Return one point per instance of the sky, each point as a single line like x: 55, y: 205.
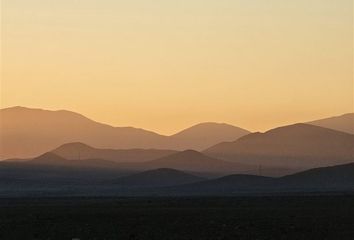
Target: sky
x: 165, y: 65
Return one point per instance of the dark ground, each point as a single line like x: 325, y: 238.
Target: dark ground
x: 277, y: 217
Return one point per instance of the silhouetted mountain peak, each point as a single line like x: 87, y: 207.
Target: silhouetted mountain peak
x: 209, y: 129
x: 190, y: 151
x: 75, y: 145
x: 189, y: 154
x: 210, y: 126
x: 207, y: 134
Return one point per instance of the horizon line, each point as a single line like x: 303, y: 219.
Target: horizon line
x: 176, y: 131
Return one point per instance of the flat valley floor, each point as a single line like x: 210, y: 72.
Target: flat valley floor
x: 272, y: 217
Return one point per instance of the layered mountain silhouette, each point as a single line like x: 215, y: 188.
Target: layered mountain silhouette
x: 49, y: 169
x: 49, y: 159
x: 230, y: 184
x: 298, y: 145
x: 74, y: 151
x: 206, y: 134
x: 27, y: 132
x: 328, y: 179
x: 344, y: 123
x: 339, y: 176
x: 193, y: 161
x: 52, y: 159
x: 157, y: 178
x: 39, y: 179
x: 136, y: 160
x: 142, y: 159
x: 86, y: 144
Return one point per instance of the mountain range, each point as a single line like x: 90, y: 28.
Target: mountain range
x: 294, y: 146
x: 80, y: 151
x: 68, y: 137
x: 326, y: 179
x: 188, y: 160
x: 26, y: 133
x: 41, y: 180
x: 193, y: 161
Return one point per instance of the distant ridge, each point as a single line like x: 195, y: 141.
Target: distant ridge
x: 193, y: 161
x: 27, y: 132
x: 298, y: 145
x: 83, y: 151
x: 203, y: 135
x: 343, y: 123
x: 52, y: 159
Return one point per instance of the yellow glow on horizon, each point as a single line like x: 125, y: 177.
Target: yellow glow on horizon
x: 165, y: 65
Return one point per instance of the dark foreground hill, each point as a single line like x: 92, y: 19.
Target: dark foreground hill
x: 19, y: 179
x: 156, y: 178
x: 327, y: 179
x: 51, y: 169
x: 340, y: 176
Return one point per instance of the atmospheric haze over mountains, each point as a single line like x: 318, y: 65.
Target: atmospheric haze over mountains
x: 29, y: 132
x: 52, y: 151
x: 176, y: 120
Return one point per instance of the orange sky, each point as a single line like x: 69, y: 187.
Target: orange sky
x: 164, y: 65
